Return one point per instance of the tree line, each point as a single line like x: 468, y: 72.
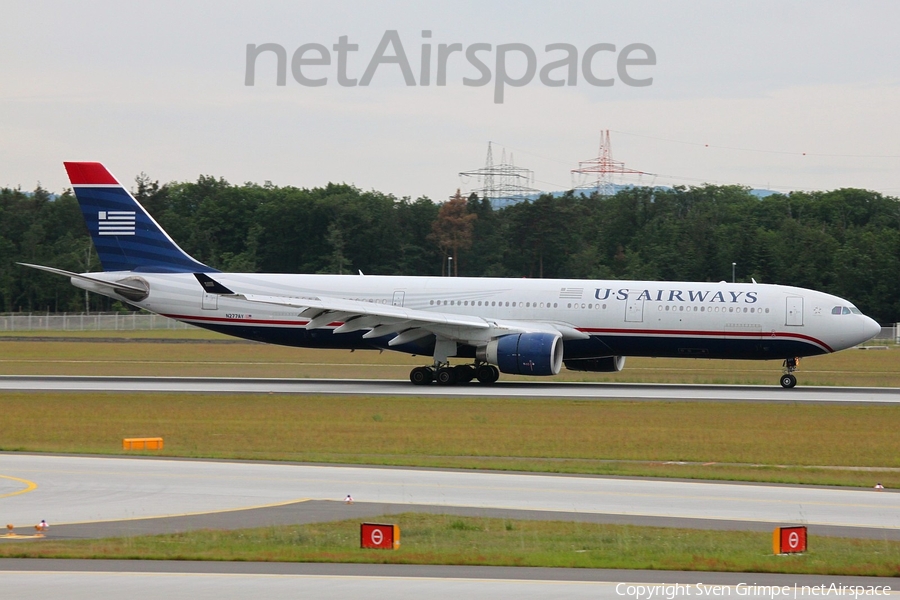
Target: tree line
x: 846, y: 242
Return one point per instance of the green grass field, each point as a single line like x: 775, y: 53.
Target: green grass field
x: 443, y: 539
x: 796, y: 443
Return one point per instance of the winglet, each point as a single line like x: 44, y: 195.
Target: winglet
x: 211, y: 286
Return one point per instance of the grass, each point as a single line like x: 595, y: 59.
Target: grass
x: 194, y: 356
x: 443, y: 539
x: 802, y: 443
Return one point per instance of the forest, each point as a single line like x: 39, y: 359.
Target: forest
x: 846, y: 241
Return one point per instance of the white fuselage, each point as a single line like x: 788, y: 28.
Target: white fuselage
x: 639, y: 318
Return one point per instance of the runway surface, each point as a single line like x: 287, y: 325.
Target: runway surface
x: 542, y: 389
x: 97, y: 496
x: 70, y: 489
x: 81, y: 580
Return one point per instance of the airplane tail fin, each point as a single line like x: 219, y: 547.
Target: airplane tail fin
x: 127, y: 238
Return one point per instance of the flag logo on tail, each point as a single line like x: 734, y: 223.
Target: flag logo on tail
x: 116, y: 222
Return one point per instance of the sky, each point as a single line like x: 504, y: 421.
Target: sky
x: 767, y: 94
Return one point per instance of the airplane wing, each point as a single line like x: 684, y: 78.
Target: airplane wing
x: 407, y: 323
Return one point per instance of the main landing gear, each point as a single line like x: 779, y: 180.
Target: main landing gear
x: 787, y: 379
x: 445, y: 374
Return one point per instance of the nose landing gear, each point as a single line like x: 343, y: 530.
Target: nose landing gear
x: 788, y: 380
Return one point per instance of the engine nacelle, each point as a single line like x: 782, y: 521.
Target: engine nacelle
x: 525, y: 353
x: 606, y: 364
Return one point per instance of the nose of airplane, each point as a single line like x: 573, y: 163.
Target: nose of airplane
x: 871, y: 328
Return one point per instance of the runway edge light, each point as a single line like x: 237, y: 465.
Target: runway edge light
x: 380, y: 536
x: 789, y: 540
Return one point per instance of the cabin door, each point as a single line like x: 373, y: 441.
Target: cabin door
x: 210, y: 301
x: 634, y: 310
x: 398, y: 298
x: 794, y: 314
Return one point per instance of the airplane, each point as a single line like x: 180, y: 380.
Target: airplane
x: 513, y: 326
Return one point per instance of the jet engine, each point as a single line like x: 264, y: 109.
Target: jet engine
x: 605, y: 364
x: 524, y: 353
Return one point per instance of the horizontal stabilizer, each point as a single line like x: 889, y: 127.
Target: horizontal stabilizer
x: 127, y: 290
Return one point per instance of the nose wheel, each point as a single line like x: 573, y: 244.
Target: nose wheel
x: 788, y: 380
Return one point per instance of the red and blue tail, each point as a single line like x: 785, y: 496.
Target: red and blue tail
x: 125, y: 235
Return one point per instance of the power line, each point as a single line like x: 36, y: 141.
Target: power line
x: 758, y: 150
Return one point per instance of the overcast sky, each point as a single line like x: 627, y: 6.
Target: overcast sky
x: 778, y: 95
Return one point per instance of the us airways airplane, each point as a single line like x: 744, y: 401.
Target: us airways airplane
x: 516, y: 326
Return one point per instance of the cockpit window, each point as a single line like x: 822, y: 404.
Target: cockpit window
x: 843, y: 310
x: 855, y: 310
x: 836, y: 310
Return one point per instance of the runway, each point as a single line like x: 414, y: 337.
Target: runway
x: 83, y: 490
x: 82, y: 496
x: 516, y: 389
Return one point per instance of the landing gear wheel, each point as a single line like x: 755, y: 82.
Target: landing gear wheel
x: 421, y: 376
x: 464, y: 373
x: 446, y: 376
x: 788, y: 381
x: 487, y: 374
